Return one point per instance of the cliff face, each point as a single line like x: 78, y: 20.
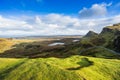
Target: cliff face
x: 115, y: 29
x: 109, y: 37
x: 111, y: 32
x: 106, y: 30
x: 112, y: 36
x: 117, y: 43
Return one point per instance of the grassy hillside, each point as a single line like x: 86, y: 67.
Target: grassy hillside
x: 72, y: 68
x: 7, y: 44
x: 100, y: 52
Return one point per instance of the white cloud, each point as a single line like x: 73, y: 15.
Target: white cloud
x: 96, y: 10
x: 11, y: 24
x: 51, y: 24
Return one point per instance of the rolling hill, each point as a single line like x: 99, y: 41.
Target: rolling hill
x: 72, y: 68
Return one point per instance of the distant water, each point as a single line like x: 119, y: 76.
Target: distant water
x: 75, y: 40
x: 56, y: 43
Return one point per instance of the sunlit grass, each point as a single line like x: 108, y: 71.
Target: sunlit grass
x: 7, y: 44
x: 57, y: 69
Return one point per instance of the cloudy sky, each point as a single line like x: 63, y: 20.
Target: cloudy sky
x: 56, y: 17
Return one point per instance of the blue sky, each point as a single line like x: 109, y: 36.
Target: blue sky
x: 56, y: 17
x: 50, y: 6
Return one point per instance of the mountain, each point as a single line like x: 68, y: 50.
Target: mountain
x: 104, y: 45
x: 110, y: 34
x: 109, y: 37
x: 91, y: 34
x: 111, y: 31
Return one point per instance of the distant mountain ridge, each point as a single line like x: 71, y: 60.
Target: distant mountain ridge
x: 109, y: 37
x: 50, y: 36
x: 91, y: 34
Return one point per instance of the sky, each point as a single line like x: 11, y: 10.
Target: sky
x: 56, y: 17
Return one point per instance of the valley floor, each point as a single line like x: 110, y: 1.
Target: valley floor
x: 72, y: 68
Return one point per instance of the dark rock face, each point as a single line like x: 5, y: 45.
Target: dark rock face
x: 108, y: 30
x: 117, y: 33
x: 91, y: 34
x: 116, y: 24
x: 115, y: 28
x: 105, y: 30
x: 117, y: 44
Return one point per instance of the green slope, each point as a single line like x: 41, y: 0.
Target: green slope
x: 72, y: 68
x: 100, y: 52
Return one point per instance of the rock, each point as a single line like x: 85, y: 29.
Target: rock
x: 115, y: 28
x: 117, y: 43
x: 91, y: 34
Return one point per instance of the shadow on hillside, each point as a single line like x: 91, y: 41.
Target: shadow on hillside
x: 85, y: 62
x: 37, y: 50
x: 42, y: 50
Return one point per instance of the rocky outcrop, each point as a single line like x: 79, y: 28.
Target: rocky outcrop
x: 117, y: 43
x: 115, y: 29
x: 107, y: 38
x: 91, y: 34
x: 105, y: 30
